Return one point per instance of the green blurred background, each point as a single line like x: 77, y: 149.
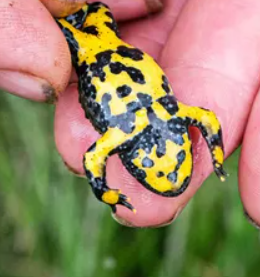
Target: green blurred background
x: 51, y: 225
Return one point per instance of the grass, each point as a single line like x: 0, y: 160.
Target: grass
x: 51, y: 225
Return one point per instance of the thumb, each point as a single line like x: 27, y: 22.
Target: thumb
x: 35, y: 61
x: 122, y: 9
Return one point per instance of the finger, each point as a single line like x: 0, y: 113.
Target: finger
x: 35, y: 60
x: 61, y: 8
x: 122, y: 9
x: 73, y: 133
x: 209, y: 68
x: 125, y: 9
x: 151, y: 33
x: 249, y: 165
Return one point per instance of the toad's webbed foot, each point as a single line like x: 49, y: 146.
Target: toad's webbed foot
x: 220, y: 172
x: 112, y: 197
x: 95, y: 164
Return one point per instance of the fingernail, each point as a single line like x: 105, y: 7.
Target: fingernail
x: 154, y: 5
x: 173, y: 218
x: 122, y: 221
x: 72, y: 170
x: 27, y: 86
x: 251, y: 221
x: 128, y: 224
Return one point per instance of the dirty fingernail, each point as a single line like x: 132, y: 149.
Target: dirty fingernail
x: 154, y: 5
x: 251, y: 221
x: 27, y: 86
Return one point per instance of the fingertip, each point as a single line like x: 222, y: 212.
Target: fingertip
x: 249, y: 165
x: 154, y: 5
x: 125, y: 9
x: 152, y: 210
x: 27, y: 86
x: 73, y: 132
x: 33, y: 45
x: 62, y: 8
x: 251, y: 221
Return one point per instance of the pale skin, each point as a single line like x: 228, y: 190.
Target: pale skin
x: 209, y: 50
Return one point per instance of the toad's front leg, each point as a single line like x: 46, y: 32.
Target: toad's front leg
x: 95, y: 167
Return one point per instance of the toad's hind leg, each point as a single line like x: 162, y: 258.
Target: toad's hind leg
x: 94, y: 165
x: 163, y: 165
x: 210, y: 128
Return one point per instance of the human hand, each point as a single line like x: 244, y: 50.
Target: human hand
x: 35, y: 62
x: 211, y: 58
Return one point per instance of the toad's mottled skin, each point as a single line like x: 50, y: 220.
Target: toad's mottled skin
x: 128, y: 99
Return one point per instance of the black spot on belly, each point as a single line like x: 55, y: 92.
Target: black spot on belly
x: 169, y: 103
x: 172, y: 177
x: 177, y: 125
x: 163, y: 131
x: 94, y: 7
x: 180, y: 157
x: 92, y: 30
x: 82, y: 71
x: 132, y: 53
x: 77, y: 19
x: 140, y: 174
x: 97, y: 68
x: 124, y: 121
x: 177, y: 138
x: 134, y: 73
x: 145, y: 99
x: 104, y: 58
x: 133, y: 106
x: 106, y: 98
x: 146, y: 162
x: 161, y: 148
x: 116, y: 68
x: 109, y: 14
x: 135, y: 154
x: 216, y: 139
x: 165, y: 84
x: 112, y: 24
x: 160, y: 174
x: 113, y: 27
x: 123, y: 91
